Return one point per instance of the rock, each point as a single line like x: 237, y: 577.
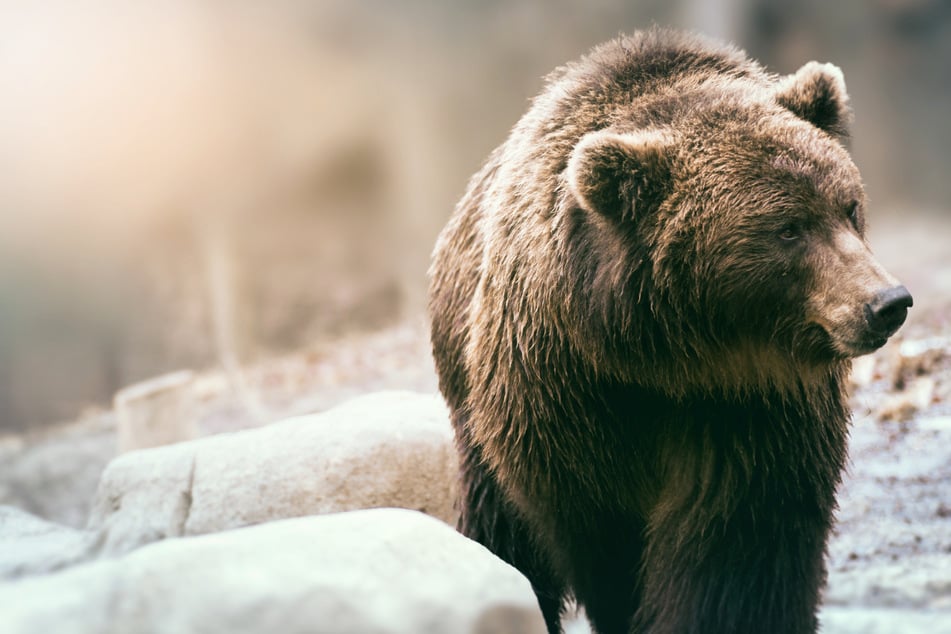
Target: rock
x: 386, y: 449
x: 34, y: 546
x: 377, y: 571
x: 937, y: 424
x: 863, y: 620
x: 919, y: 357
x: 55, y: 476
x: 156, y: 412
x: 145, y: 496
x: 916, y: 397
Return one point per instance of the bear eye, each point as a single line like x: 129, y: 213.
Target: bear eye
x: 790, y: 232
x: 853, y: 212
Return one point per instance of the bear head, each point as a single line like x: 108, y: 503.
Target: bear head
x: 744, y: 218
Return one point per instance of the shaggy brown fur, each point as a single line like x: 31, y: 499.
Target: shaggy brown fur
x: 642, y: 314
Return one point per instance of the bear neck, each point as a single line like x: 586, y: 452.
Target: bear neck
x: 606, y: 420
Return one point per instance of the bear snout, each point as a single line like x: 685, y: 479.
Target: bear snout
x: 856, y: 300
x: 887, y: 311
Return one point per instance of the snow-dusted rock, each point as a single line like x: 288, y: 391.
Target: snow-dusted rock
x: 55, y: 475
x: 866, y: 620
x: 376, y: 571
x: 30, y: 545
x: 391, y: 449
x: 145, y: 496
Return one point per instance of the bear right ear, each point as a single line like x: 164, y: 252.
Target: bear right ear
x: 620, y: 175
x: 816, y: 93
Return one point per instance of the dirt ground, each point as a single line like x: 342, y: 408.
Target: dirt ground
x: 890, y: 555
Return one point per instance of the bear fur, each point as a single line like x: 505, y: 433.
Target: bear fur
x: 643, y: 311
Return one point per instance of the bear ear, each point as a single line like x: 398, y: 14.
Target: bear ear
x: 816, y: 93
x: 620, y: 175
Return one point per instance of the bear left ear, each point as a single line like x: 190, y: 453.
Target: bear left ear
x: 620, y: 175
x: 816, y: 93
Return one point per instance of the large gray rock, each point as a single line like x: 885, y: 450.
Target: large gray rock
x: 391, y: 449
x: 55, y: 475
x: 32, y: 546
x: 377, y: 571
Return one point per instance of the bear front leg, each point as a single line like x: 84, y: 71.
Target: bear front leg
x: 604, y: 556
x: 760, y: 571
x: 486, y: 516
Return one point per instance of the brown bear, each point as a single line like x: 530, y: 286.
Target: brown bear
x: 643, y: 312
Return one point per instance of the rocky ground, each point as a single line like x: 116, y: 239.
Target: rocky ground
x: 53, y: 472
x: 890, y: 556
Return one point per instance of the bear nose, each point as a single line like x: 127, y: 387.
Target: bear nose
x: 887, y: 312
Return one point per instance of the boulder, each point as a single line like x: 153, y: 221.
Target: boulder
x: 159, y: 411
x: 144, y: 496
x: 389, y: 449
x: 34, y: 546
x: 377, y: 571
x: 55, y: 475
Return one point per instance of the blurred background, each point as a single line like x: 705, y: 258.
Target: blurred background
x: 185, y: 184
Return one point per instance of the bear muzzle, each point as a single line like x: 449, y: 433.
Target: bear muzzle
x: 856, y: 301
x: 876, y: 320
x: 887, y: 311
